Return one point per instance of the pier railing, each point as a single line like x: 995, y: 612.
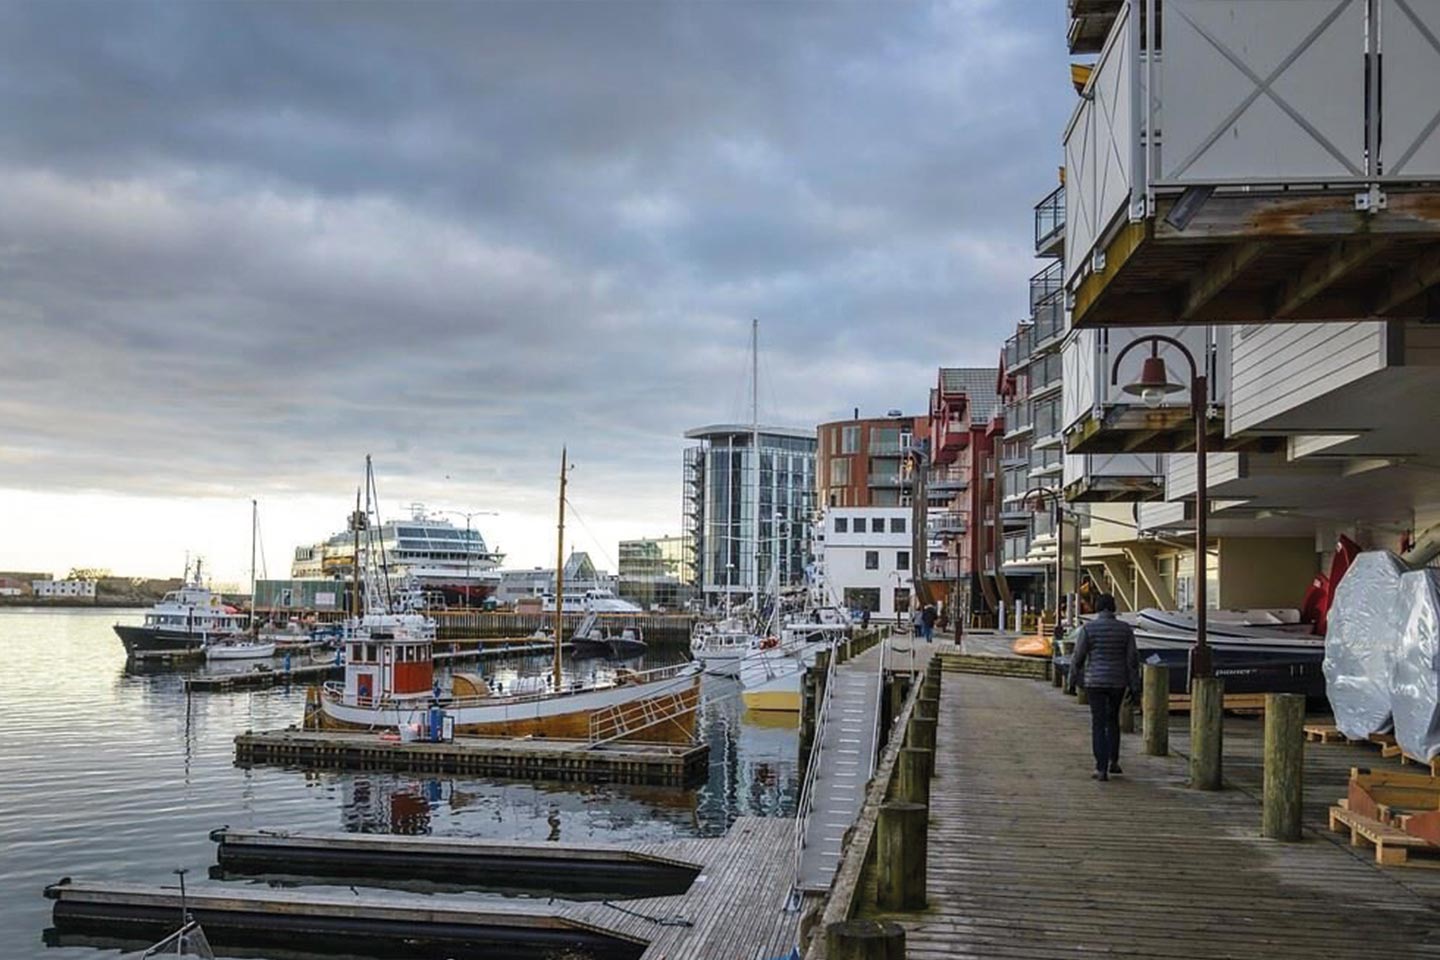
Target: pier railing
x: 806, y: 802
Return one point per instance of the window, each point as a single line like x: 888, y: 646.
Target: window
x: 872, y: 559
x: 839, y: 472
x: 849, y: 439
x: 877, y: 525
x: 902, y: 559
x: 842, y: 525
x: 863, y: 598
x: 897, y: 524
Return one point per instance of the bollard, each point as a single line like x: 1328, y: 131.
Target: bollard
x: 1207, y: 729
x: 865, y: 940
x: 1127, y: 714
x: 1082, y: 696
x: 1155, y: 709
x: 921, y: 733
x: 901, y: 850
x: 1056, y: 678
x: 1284, y: 766
x: 914, y: 769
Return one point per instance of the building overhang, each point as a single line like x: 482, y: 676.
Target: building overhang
x: 723, y: 430
x: 1137, y: 429
x: 1256, y: 256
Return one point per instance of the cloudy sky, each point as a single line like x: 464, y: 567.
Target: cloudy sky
x: 242, y: 245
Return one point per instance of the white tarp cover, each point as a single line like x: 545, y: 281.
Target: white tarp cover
x: 1415, y: 675
x: 1361, y: 642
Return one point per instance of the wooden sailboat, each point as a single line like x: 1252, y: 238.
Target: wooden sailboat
x: 390, y: 683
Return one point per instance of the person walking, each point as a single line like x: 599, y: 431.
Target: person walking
x: 1106, y: 663
x: 927, y: 621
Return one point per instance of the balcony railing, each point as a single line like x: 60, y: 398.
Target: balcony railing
x: 1049, y: 317
x: 948, y: 524
x: 1049, y: 220
x: 951, y: 568
x: 886, y: 479
x: 1046, y: 285
x: 886, y: 448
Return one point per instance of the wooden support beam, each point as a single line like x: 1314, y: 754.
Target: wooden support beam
x: 1323, y: 272
x: 1218, y: 274
x: 1419, y: 276
x: 1138, y: 439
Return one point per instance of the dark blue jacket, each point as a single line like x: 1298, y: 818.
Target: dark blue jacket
x: 1105, y: 655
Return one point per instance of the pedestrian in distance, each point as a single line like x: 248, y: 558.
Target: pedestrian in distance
x: 917, y: 623
x: 1106, y: 663
x: 927, y: 621
x: 865, y: 619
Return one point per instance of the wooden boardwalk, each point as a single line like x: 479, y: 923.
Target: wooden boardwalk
x: 1030, y: 858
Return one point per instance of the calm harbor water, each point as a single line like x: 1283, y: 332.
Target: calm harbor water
x: 111, y: 774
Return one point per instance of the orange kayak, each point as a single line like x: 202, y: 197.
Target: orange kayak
x: 1038, y: 646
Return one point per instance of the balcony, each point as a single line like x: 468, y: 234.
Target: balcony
x: 951, y: 568
x: 1018, y: 419
x: 886, y: 479
x: 948, y: 525
x: 1090, y: 23
x: 1019, y: 347
x: 1048, y: 317
x: 1046, y: 286
x: 1050, y: 224
x: 1239, y: 175
x: 1111, y: 477
x: 948, y: 484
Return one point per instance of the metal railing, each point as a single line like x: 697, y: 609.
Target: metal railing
x: 806, y: 802
x: 1049, y: 217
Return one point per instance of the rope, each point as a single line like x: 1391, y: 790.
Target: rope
x: 658, y: 921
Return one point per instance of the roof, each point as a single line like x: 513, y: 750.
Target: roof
x: 735, y: 429
x: 978, y: 384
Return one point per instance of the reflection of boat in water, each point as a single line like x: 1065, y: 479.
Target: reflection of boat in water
x: 390, y: 683
x: 183, y: 621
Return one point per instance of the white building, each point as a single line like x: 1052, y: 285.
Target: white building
x: 57, y: 589
x: 864, y: 558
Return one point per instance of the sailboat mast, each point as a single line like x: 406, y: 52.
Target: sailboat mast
x: 254, y: 528
x: 356, y: 519
x: 755, y: 453
x: 560, y: 572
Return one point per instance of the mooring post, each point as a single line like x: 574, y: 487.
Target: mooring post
x: 1082, y: 697
x: 899, y: 687
x: 1207, y: 728
x: 921, y: 733
x: 901, y: 851
x: 1284, y: 766
x: 1155, y: 709
x: 865, y: 940
x: 912, y: 776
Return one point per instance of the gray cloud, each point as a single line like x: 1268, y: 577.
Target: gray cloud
x: 241, y: 244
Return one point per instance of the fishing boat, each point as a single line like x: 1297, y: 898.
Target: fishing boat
x: 390, y: 681
x: 721, y: 646
x: 183, y: 622
x: 770, y: 676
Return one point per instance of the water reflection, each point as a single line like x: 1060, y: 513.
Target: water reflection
x: 112, y: 773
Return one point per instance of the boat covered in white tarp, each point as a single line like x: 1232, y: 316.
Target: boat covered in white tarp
x: 1361, y: 636
x: 1415, y: 671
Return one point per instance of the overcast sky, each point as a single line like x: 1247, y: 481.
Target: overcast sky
x: 242, y: 245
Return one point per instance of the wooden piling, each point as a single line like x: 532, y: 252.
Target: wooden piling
x: 1207, y: 728
x: 912, y: 776
x: 1284, y: 766
x: 865, y: 940
x: 901, y: 852
x: 921, y: 733
x: 899, y: 687
x: 1127, y: 715
x: 1155, y: 709
x: 1082, y: 696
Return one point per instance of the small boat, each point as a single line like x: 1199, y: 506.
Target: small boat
x: 592, y: 640
x: 291, y: 633
x: 239, y: 648
x: 720, y: 647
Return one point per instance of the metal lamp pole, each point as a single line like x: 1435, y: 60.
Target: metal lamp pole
x: 1152, y: 388
x: 1040, y: 494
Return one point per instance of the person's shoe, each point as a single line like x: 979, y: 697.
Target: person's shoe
x: 1099, y: 775
x: 1115, y: 768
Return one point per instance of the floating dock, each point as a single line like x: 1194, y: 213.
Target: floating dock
x: 299, y: 673
x: 532, y: 759
x: 388, y: 925
x: 736, y: 907
x: 583, y: 872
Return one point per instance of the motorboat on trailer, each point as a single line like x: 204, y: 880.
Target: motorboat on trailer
x: 183, y: 622
x: 1253, y: 652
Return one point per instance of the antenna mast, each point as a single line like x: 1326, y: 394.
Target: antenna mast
x: 755, y: 453
x: 560, y: 573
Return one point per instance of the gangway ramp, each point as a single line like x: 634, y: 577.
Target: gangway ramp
x: 840, y: 766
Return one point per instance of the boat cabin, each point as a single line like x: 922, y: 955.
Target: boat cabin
x: 382, y: 666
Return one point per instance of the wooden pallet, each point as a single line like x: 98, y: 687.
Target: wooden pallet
x: 1233, y: 703
x: 1393, y: 846
x: 1324, y: 733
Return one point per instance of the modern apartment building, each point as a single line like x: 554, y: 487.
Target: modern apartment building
x: 861, y: 460
x: 748, y: 508
x: 656, y: 571
x: 965, y: 423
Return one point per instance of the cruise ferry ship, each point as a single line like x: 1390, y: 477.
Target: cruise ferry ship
x: 448, y: 563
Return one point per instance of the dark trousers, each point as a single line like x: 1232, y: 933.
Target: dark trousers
x: 1105, y: 724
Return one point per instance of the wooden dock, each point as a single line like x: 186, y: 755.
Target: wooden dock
x: 1030, y: 858
x: 530, y: 759
x: 318, y: 672
x: 735, y: 908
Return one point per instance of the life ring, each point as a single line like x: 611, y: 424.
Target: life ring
x: 769, y: 643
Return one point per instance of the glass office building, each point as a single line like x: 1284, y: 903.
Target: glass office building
x: 740, y: 527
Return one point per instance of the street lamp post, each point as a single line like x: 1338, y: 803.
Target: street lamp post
x: 1206, y: 691
x: 1041, y: 494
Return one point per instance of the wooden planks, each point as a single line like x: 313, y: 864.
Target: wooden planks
x: 1030, y: 858
x: 522, y: 758
x: 1392, y: 845
x: 1029, y: 668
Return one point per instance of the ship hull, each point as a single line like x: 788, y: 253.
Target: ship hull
x: 147, y: 642
x: 566, y: 716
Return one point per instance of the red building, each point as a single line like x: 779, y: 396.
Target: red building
x: 861, y: 460
x: 966, y: 423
